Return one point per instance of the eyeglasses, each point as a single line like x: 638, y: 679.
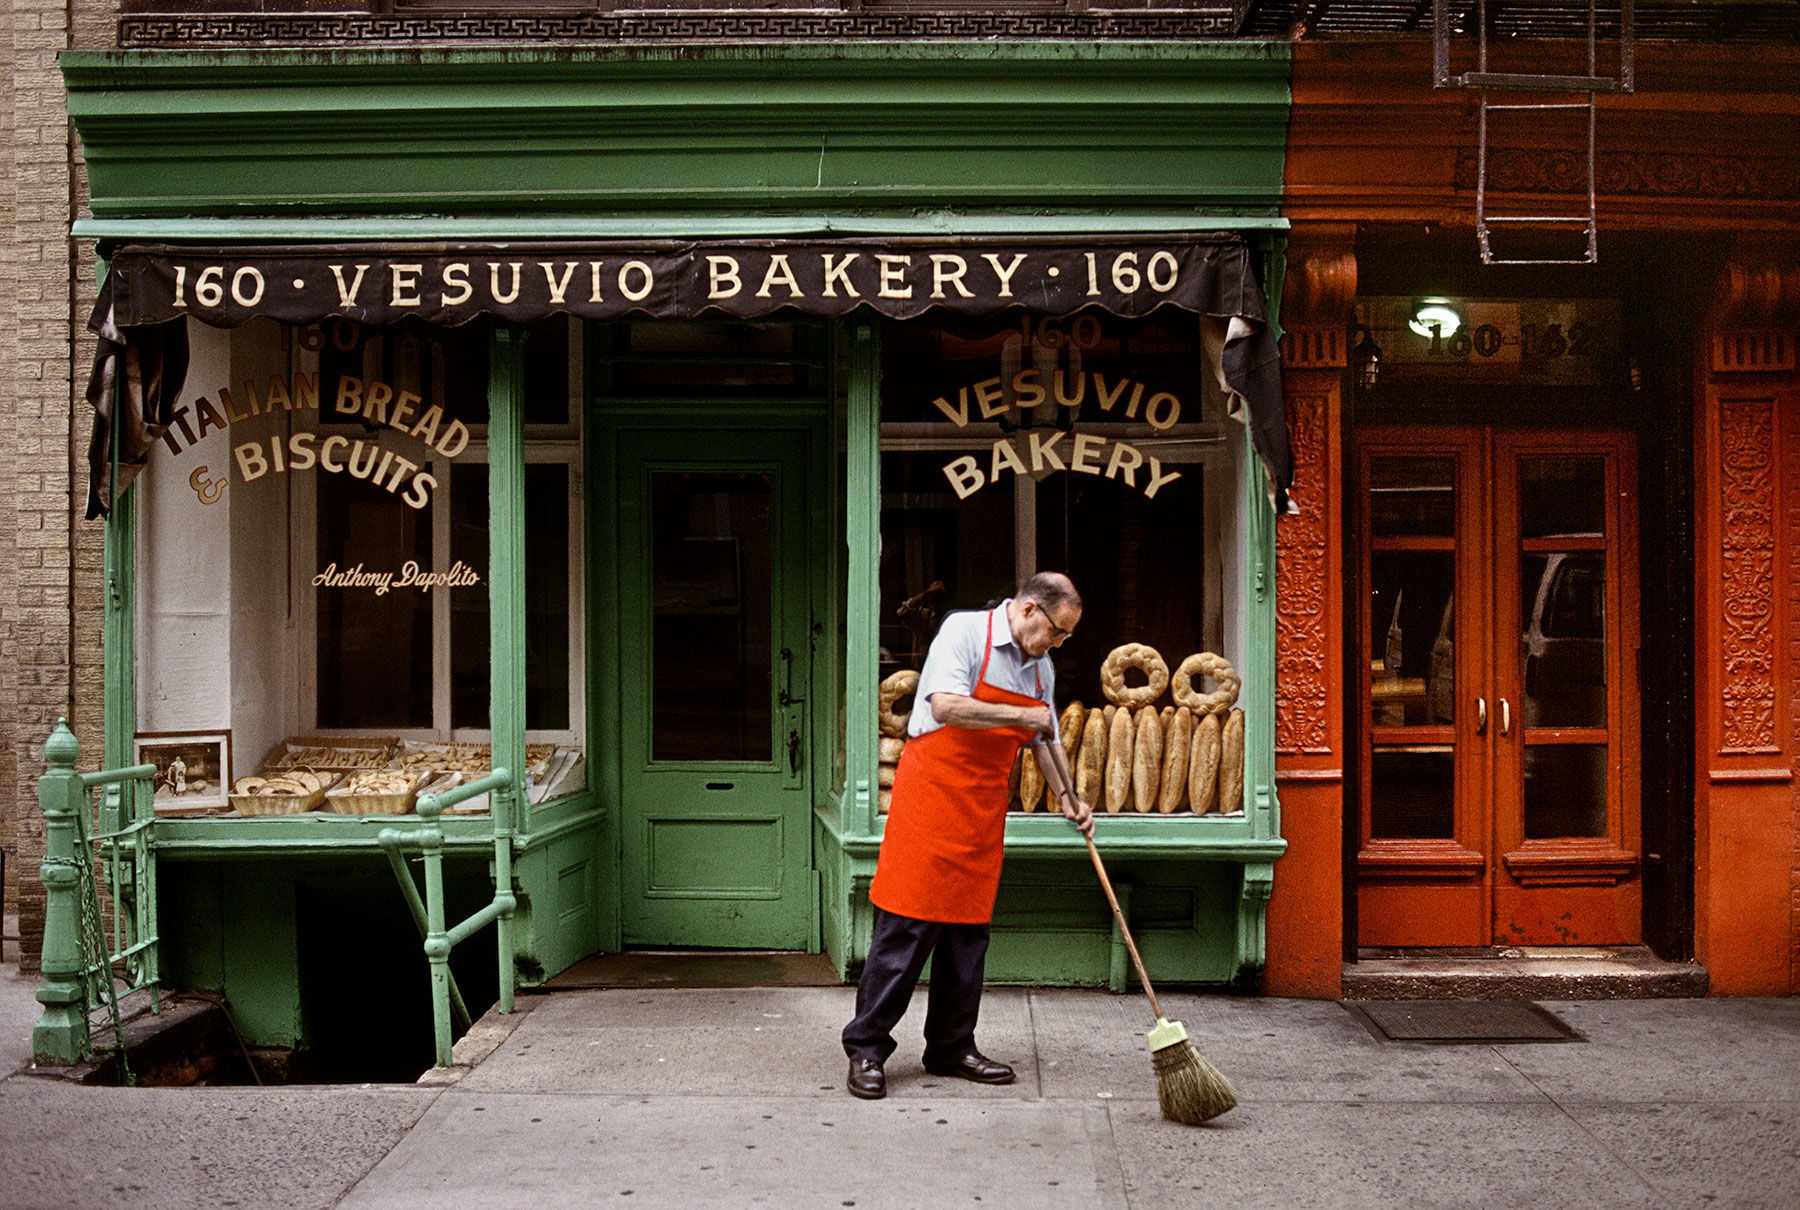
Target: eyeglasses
x: 1060, y: 632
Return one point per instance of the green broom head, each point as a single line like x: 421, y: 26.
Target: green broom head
x: 1190, y: 1089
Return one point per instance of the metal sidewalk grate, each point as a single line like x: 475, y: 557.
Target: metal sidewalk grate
x: 1461, y: 1021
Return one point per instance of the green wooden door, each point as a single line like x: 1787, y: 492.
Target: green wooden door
x: 714, y: 660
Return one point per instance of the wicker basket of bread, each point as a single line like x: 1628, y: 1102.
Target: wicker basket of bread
x: 290, y: 792
x: 375, y: 792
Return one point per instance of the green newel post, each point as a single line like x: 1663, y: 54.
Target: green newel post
x: 60, y: 1038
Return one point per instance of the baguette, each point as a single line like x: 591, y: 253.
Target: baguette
x: 1118, y: 759
x: 1146, y: 760
x: 1012, y: 779
x: 1203, y: 766
x: 884, y: 775
x: 1074, y: 716
x: 1231, y: 765
x: 1175, y: 761
x: 1090, y: 772
x: 891, y: 747
x: 1031, y: 778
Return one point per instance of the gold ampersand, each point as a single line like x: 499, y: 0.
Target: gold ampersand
x: 209, y: 490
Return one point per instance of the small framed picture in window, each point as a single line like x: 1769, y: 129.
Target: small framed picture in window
x: 193, y: 770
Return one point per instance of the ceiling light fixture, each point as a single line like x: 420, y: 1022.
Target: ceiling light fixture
x: 1435, y: 317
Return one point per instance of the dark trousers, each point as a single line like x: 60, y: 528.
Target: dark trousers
x: 897, y: 954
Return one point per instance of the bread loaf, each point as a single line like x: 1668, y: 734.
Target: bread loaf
x: 1012, y: 780
x: 1074, y: 717
x: 1203, y: 766
x: 896, y: 688
x: 1146, y: 760
x: 1118, y: 759
x: 891, y: 747
x: 882, y: 797
x: 1231, y: 764
x: 1090, y: 770
x: 1175, y: 761
x: 1031, y: 778
x: 884, y: 775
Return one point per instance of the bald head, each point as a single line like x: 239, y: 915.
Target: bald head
x: 1051, y: 589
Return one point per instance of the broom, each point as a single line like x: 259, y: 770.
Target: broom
x: 1188, y: 1088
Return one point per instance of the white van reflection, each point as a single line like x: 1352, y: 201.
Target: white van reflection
x: 1565, y: 639
x: 1564, y: 642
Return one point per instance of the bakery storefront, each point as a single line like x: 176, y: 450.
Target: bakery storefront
x: 666, y: 524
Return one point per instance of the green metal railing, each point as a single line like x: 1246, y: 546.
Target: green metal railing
x: 427, y: 838
x: 86, y: 957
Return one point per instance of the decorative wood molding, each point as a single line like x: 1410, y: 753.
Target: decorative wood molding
x: 1766, y: 351
x: 1303, y: 587
x: 1571, y: 861
x: 1747, y: 563
x: 1315, y: 348
x: 1419, y: 859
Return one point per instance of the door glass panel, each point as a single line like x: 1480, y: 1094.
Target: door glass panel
x: 1559, y: 496
x: 1413, y: 616
x: 1412, y: 793
x: 1565, y: 790
x: 711, y: 602
x: 1564, y: 601
x: 1412, y: 496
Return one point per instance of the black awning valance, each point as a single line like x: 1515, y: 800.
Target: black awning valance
x: 149, y: 289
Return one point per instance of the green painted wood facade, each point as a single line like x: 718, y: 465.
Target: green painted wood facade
x: 767, y: 140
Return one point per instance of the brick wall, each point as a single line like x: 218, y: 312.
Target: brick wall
x: 50, y: 582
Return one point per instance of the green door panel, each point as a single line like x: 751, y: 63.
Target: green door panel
x: 714, y: 658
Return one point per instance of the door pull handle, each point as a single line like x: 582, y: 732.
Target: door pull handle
x: 1481, y: 716
x: 794, y: 751
x: 787, y: 697
x: 1505, y: 717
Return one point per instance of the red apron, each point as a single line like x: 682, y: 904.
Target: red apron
x: 946, y: 825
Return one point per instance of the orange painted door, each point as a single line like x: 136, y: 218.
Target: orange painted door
x: 1499, y: 758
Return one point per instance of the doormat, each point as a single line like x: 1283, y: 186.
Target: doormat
x: 690, y: 968
x: 1452, y: 1021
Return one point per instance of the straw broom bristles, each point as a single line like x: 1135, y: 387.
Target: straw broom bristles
x: 1189, y: 1089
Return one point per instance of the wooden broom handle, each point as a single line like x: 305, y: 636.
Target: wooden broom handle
x: 1065, y: 788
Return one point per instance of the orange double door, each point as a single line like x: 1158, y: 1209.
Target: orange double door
x: 1499, y: 796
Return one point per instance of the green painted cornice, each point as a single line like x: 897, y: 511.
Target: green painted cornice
x: 1194, y: 130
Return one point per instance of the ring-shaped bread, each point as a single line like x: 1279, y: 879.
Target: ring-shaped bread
x: 1146, y: 660
x: 1219, y: 671
x: 897, y: 686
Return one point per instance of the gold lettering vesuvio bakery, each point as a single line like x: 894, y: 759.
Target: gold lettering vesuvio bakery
x: 1035, y: 451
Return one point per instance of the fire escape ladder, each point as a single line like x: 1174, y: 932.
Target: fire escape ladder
x: 1534, y: 103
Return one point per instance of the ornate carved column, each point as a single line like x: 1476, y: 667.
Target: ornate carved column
x: 1747, y: 860
x: 1304, y: 922
x: 1317, y: 307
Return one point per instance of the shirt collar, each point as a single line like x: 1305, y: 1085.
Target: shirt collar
x: 1003, y: 635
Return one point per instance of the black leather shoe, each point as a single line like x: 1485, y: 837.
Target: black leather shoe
x: 867, y: 1080
x: 976, y: 1067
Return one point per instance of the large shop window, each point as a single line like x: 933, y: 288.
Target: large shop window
x: 350, y: 531
x: 1099, y: 447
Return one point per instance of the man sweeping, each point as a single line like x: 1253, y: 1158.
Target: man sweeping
x: 987, y: 689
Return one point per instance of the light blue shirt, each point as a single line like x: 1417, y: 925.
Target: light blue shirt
x: 953, y: 665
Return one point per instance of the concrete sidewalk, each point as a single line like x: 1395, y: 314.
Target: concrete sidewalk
x: 734, y: 1098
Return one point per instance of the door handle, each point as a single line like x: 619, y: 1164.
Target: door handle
x: 794, y: 751
x: 787, y: 697
x: 1505, y: 717
x: 1481, y: 716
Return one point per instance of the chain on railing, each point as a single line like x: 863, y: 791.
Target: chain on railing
x: 84, y: 961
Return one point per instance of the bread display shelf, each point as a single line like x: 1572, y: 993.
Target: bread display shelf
x: 341, y: 753
x: 552, y: 770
